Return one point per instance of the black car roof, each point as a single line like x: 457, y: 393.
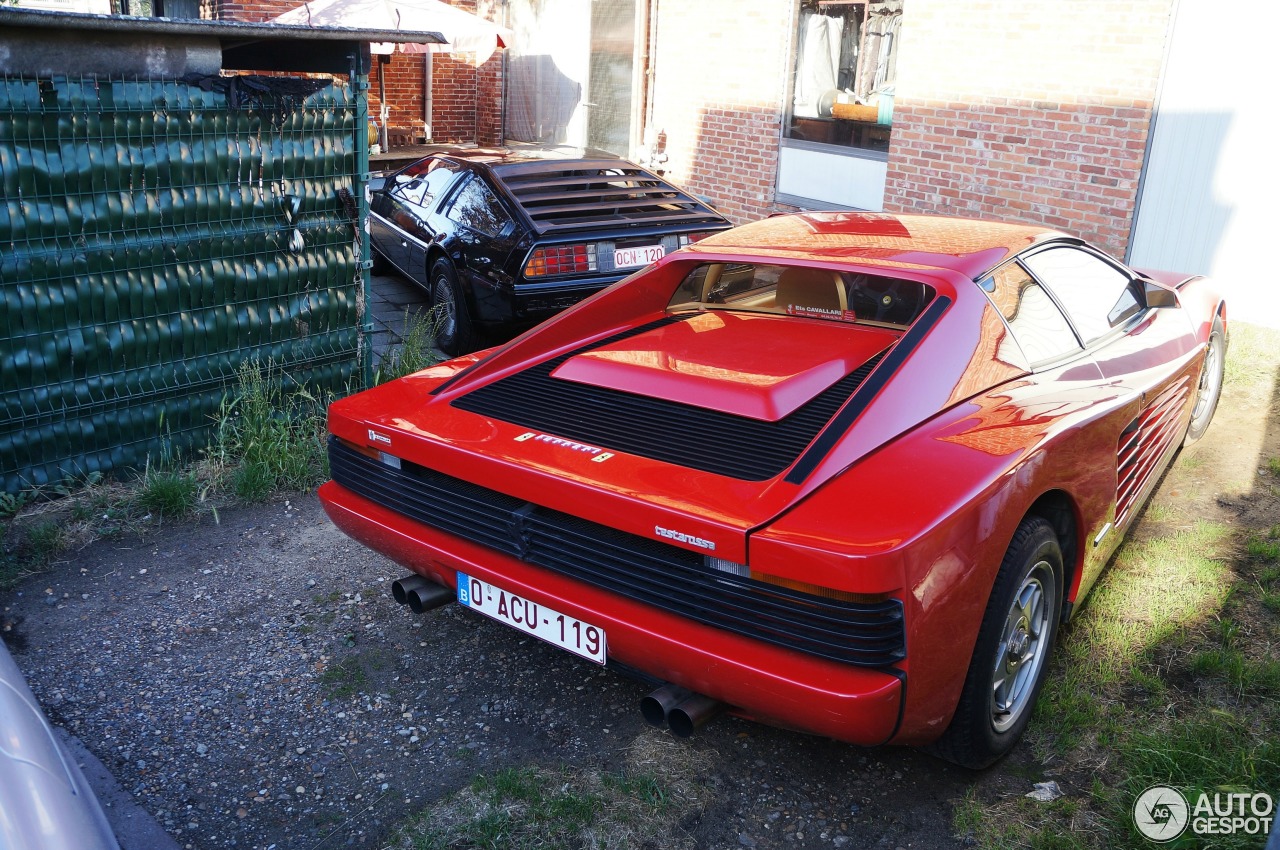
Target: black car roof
x: 578, y: 194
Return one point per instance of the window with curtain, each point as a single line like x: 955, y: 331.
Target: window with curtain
x: 845, y: 73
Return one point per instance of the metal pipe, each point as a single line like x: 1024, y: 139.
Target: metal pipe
x: 692, y: 713
x: 655, y: 707
x: 400, y: 587
x: 428, y: 596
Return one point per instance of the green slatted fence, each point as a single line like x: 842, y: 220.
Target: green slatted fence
x: 154, y: 235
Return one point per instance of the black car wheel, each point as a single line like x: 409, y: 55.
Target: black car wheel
x: 1210, y: 389
x: 381, y: 265
x: 1011, y: 656
x: 454, y: 334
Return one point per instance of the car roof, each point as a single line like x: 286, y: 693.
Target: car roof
x: 970, y: 247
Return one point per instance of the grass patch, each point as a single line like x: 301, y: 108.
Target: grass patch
x: 1154, y: 589
x: 417, y: 351
x: 1071, y: 826
x: 31, y: 551
x: 344, y: 678
x: 532, y: 807
x: 1251, y: 358
x: 1210, y: 751
x: 171, y: 494
x: 268, y: 439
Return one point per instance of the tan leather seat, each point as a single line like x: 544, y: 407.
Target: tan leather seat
x: 801, y: 289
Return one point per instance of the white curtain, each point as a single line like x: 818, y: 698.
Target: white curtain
x: 819, y: 62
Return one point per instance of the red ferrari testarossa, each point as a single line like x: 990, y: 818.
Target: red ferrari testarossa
x: 840, y: 472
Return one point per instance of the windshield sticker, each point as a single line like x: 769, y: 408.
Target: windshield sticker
x: 821, y: 313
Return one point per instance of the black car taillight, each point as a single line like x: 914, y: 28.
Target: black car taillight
x: 561, y: 259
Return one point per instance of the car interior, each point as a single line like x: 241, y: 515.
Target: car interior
x: 802, y: 291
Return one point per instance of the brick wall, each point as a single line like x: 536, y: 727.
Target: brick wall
x: 720, y: 82
x: 466, y: 102
x: 1034, y: 111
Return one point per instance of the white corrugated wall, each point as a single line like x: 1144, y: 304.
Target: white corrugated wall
x: 1212, y: 183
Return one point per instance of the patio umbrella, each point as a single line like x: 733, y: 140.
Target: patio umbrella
x: 463, y: 31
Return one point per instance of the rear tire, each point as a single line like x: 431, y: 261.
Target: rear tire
x: 456, y: 334
x: 1210, y: 389
x: 1010, y: 659
x: 381, y: 265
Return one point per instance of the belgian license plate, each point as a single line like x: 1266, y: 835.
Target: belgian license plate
x: 538, y: 620
x: 642, y: 256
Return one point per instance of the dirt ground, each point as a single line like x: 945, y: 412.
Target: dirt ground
x: 251, y: 683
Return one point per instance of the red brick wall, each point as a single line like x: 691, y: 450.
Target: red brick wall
x: 720, y: 82
x: 1035, y: 111
x: 466, y: 103
x: 403, y: 79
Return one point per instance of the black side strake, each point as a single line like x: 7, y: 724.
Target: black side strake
x: 682, y: 434
x: 867, y: 391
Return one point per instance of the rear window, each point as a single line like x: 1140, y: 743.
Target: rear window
x: 421, y: 183
x: 802, y: 291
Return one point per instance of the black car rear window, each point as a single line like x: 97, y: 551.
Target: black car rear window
x: 803, y: 291
x: 476, y: 207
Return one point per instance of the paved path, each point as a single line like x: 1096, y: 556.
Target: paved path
x: 391, y: 297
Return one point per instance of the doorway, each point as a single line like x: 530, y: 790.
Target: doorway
x: 572, y: 73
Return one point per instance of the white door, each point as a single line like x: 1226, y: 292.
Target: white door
x: 572, y: 73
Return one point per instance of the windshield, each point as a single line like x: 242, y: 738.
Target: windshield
x: 802, y: 291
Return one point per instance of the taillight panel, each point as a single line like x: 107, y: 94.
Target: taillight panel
x: 555, y: 260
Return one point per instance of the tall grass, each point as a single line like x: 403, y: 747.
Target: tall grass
x: 270, y: 439
x: 417, y: 351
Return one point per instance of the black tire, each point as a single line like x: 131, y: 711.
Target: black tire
x: 456, y: 334
x: 1210, y: 389
x: 381, y: 265
x: 1016, y: 638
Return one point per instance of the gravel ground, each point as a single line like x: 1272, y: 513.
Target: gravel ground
x: 252, y: 684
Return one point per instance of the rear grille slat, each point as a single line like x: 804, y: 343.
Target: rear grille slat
x: 654, y: 573
x: 659, y: 429
x: 392, y: 489
x: 743, y: 601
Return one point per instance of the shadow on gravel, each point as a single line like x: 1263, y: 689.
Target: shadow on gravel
x: 252, y: 683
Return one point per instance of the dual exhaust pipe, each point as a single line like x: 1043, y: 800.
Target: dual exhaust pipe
x: 678, y: 709
x: 420, y: 594
x: 671, y: 706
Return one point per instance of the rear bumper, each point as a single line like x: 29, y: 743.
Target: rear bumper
x: 771, y: 684
x: 526, y: 305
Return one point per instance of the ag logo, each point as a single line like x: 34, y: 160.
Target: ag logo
x: 1160, y: 813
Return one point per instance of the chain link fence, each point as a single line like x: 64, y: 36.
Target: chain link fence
x: 154, y: 236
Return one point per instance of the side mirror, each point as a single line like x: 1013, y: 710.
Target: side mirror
x: 1157, y: 295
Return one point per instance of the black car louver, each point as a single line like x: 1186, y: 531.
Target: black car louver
x: 670, y: 431
x: 577, y: 194
x: 648, y: 571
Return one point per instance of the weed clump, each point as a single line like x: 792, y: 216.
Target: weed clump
x: 267, y: 439
x: 418, y: 351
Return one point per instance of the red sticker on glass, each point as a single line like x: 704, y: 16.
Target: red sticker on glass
x: 821, y: 313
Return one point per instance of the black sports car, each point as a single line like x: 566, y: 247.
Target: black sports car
x: 505, y: 240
